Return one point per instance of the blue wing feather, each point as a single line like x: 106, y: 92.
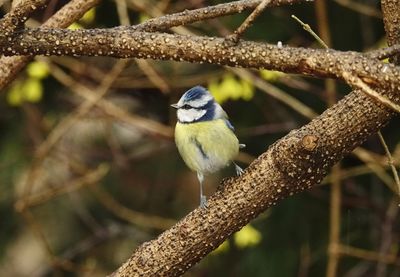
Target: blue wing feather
x: 230, y: 126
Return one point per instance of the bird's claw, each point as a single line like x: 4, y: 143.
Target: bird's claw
x: 239, y: 170
x: 203, y: 201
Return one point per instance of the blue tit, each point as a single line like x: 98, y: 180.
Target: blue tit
x: 204, y: 136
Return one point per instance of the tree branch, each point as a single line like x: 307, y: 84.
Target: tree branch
x: 72, y: 11
x: 391, y: 18
x: 119, y: 43
x: 186, y: 17
x: 18, y: 16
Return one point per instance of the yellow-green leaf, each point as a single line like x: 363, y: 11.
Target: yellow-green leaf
x: 228, y: 88
x: 89, y: 16
x: 143, y: 17
x: 231, y: 88
x: 270, y: 75
x: 214, y: 88
x: 32, y: 90
x: 247, y: 237
x: 382, y: 43
x: 247, y: 90
x: 75, y: 26
x: 37, y: 70
x: 14, y: 95
x: 222, y: 248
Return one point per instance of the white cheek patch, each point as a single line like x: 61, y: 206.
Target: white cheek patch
x: 190, y: 115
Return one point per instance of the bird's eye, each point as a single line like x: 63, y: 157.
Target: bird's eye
x: 186, y: 107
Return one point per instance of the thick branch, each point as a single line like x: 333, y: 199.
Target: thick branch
x: 391, y: 18
x: 132, y: 44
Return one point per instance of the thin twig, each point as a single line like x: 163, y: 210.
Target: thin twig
x: 376, y: 168
x: 146, y: 125
x: 134, y: 217
x: 123, y: 12
x: 58, y: 132
x: 187, y: 17
x: 84, y: 108
x: 41, y: 197
x: 249, y: 21
x: 310, y: 31
x: 390, y: 162
x: 153, y: 75
x: 357, y: 82
x: 368, y: 255
x: 387, y: 234
x: 363, y: 9
x: 276, y: 93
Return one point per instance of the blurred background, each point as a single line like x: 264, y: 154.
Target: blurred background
x: 82, y: 184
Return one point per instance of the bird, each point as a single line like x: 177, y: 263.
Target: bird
x: 204, y: 136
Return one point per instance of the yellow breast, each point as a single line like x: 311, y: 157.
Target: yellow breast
x: 206, y: 146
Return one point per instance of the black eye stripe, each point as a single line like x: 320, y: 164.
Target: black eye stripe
x: 186, y: 107
x: 205, y: 106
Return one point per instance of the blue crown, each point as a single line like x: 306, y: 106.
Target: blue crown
x: 195, y: 93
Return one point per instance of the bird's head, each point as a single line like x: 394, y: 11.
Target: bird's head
x: 196, y: 104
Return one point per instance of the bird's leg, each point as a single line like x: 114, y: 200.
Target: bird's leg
x: 239, y: 170
x: 203, y: 199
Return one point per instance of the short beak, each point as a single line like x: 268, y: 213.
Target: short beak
x: 175, y: 106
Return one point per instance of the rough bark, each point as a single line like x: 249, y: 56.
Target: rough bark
x: 391, y: 18
x: 119, y: 43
